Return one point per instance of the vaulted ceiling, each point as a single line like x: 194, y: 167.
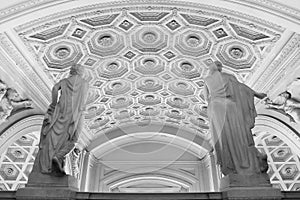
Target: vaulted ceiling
x: 146, y: 60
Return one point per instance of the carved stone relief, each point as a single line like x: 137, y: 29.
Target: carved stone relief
x: 11, y: 102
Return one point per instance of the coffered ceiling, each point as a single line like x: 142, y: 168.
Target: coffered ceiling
x: 146, y: 60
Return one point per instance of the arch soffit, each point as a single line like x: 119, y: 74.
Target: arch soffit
x: 115, y: 177
x: 131, y: 180
x: 20, y: 128
x: 272, y: 125
x: 133, y: 134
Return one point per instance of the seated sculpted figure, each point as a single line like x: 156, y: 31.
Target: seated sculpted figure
x: 11, y: 101
x: 62, y: 123
x: 232, y: 113
x: 287, y: 105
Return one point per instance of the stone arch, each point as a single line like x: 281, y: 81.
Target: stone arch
x: 269, y: 123
x: 167, y: 134
x: 186, y: 184
x: 20, y: 128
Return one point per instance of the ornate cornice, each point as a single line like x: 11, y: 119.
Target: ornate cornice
x: 25, y: 6
x: 150, y: 4
x: 35, y: 84
x: 277, y: 67
x: 275, y: 7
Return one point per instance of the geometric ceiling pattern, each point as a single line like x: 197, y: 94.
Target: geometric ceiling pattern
x: 17, y: 161
x: 146, y: 63
x: 284, y: 163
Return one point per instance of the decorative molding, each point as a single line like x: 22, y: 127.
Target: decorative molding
x: 25, y: 6
x: 273, y: 6
x: 277, y: 65
x: 35, y: 83
x: 90, y: 10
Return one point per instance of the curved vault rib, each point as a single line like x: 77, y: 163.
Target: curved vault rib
x: 170, y: 135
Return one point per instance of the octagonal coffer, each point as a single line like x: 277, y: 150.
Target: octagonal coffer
x: 106, y: 43
x: 149, y: 38
x: 62, y: 55
x: 149, y: 65
x: 112, y: 68
x: 192, y: 43
x: 236, y: 55
x: 149, y: 84
x: 188, y: 69
x: 118, y: 87
x: 181, y: 87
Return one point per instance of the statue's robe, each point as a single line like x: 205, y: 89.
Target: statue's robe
x: 232, y: 114
x: 62, y: 122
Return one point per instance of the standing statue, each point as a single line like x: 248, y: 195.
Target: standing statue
x: 232, y: 113
x: 62, y: 122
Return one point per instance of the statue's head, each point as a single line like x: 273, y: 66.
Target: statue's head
x: 286, y: 95
x: 77, y: 69
x: 215, y: 66
x: 12, y: 94
x: 219, y: 65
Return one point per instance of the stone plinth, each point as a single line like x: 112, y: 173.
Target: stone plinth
x: 43, y: 186
x: 252, y: 187
x: 235, y: 180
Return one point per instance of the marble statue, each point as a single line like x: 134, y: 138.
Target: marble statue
x: 232, y: 113
x: 287, y: 105
x: 62, y: 123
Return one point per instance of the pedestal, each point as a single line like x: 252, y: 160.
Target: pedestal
x: 248, y: 187
x: 47, y: 187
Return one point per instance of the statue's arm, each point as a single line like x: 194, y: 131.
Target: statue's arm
x: 256, y: 94
x: 55, y: 90
x: 275, y: 103
x: 206, y: 93
x: 21, y: 104
x: 293, y: 103
x: 260, y: 95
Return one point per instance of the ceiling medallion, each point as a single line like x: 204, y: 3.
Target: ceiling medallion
x: 236, y: 52
x: 105, y: 40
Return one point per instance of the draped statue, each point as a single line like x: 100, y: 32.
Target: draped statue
x: 232, y: 113
x: 62, y: 123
